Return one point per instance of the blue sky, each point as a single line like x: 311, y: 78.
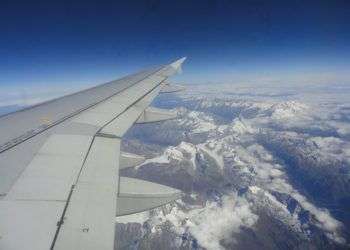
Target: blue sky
x: 61, y: 43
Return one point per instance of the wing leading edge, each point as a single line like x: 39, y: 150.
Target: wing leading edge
x: 69, y: 192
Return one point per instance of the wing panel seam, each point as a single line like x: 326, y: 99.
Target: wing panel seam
x: 32, y: 133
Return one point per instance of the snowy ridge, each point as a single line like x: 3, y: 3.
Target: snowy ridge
x: 241, y: 153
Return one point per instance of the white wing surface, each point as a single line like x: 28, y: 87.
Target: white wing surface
x: 59, y: 165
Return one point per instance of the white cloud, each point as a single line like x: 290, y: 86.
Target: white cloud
x: 212, y: 223
x: 325, y: 220
x: 215, y: 223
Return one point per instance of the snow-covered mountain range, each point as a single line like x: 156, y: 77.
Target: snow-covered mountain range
x: 257, y: 172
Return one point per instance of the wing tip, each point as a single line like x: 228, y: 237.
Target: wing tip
x: 178, y: 63
x: 181, y: 60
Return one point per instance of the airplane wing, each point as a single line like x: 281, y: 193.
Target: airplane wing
x: 60, y: 160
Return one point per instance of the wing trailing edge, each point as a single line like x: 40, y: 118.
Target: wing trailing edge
x: 128, y: 160
x: 152, y: 114
x: 138, y: 195
x: 171, y: 88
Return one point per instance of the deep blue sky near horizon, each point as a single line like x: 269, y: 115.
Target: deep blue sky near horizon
x: 65, y: 42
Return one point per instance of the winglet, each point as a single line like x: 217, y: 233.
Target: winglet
x: 177, y: 64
